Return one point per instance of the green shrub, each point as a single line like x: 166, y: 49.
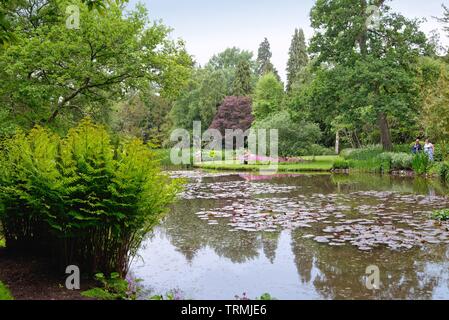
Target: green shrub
x: 385, y: 161
x: 421, y: 163
x: 365, y: 153
x: 373, y: 159
x: 372, y: 165
x: 401, y: 161
x: 403, y: 148
x: 4, y: 292
x: 114, y: 288
x: 444, y: 171
x: 81, y: 198
x: 441, y: 152
x: 266, y: 297
x: 295, y: 139
x: 317, y: 150
x: 169, y: 296
x: 340, y: 164
x: 441, y: 215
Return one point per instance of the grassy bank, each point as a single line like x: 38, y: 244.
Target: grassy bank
x: 369, y: 159
x: 310, y: 164
x: 373, y: 159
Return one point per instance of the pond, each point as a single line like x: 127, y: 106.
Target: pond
x: 300, y: 237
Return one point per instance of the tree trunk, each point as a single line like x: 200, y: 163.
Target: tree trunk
x: 337, y: 142
x: 356, y: 139
x: 385, y: 136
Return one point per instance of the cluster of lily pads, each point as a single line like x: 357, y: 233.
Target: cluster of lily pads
x: 364, y: 219
x: 231, y: 189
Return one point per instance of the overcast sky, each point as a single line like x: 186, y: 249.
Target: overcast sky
x: 210, y: 26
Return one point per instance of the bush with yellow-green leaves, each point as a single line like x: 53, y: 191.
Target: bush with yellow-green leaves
x: 81, y: 198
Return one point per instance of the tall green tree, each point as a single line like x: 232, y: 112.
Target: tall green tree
x: 234, y: 64
x: 375, y: 63
x: 230, y: 59
x: 7, y: 8
x: 298, y: 58
x: 268, y: 96
x: 9, y: 12
x: 264, y: 64
x: 242, y: 82
x: 200, y: 99
x: 145, y: 116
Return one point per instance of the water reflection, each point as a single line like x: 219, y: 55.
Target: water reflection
x: 209, y: 259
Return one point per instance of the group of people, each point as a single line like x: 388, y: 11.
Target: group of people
x: 428, y: 148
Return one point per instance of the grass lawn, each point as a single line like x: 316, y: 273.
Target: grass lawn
x: 311, y: 164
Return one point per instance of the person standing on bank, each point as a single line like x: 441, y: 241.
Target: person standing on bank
x: 417, y: 147
x: 429, y: 149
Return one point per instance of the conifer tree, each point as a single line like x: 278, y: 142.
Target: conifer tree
x: 242, y: 82
x: 298, y: 58
x: 264, y: 64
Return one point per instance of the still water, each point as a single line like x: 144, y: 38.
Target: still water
x: 300, y: 237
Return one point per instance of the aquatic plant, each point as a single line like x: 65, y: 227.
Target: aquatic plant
x: 331, y: 220
x: 421, y: 163
x: 444, y: 172
x: 441, y: 215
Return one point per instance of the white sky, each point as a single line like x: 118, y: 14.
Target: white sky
x: 210, y: 26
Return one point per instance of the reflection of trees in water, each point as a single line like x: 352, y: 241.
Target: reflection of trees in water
x: 304, y: 256
x: 338, y: 272
x: 270, y: 242
x: 363, y: 182
x: 309, y: 184
x: 189, y: 234
x: 335, y: 272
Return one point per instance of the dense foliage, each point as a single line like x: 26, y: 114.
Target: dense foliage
x: 298, y: 58
x: 444, y: 172
x: 4, y: 293
x: 441, y: 215
x: 54, y: 76
x: 435, y: 92
x: 114, y: 288
x: 268, y: 96
x: 365, y: 79
x: 82, y: 198
x: 292, y: 141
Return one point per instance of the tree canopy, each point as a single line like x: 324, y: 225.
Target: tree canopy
x: 264, y: 64
x: 298, y: 58
x: 369, y: 69
x: 268, y: 96
x: 51, y: 72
